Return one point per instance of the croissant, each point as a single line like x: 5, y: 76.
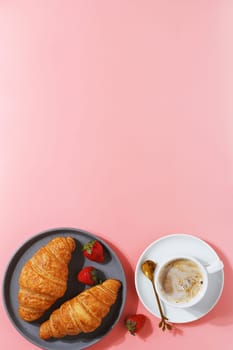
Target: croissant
x: 83, y: 313
x: 43, y: 278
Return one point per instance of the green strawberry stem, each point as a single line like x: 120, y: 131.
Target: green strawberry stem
x: 95, y: 277
x: 131, y: 326
x: 88, y: 246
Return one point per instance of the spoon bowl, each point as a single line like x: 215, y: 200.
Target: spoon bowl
x: 148, y: 268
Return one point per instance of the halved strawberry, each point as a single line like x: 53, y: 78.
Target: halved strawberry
x: 88, y: 275
x: 94, y: 251
x: 134, y: 323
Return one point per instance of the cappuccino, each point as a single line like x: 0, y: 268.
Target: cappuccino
x: 180, y: 281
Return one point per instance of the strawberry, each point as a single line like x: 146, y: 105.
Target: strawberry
x: 134, y: 323
x: 88, y: 275
x: 94, y: 251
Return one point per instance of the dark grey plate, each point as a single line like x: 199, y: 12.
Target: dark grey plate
x: 111, y: 268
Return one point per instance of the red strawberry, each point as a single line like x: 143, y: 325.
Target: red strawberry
x: 88, y: 275
x: 134, y: 323
x: 94, y: 251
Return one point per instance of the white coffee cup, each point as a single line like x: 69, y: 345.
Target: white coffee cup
x: 182, y: 281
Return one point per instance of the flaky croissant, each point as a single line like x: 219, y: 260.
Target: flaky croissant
x: 43, y: 279
x: 83, y: 313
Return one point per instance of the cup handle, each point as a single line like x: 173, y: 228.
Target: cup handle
x: 216, y: 266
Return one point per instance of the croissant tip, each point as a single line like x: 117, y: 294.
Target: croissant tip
x: 114, y: 281
x: 44, y: 331
x: 71, y: 243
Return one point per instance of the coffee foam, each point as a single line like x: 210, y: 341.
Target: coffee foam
x: 181, y: 280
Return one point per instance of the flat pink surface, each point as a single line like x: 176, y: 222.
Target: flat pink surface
x: 116, y: 117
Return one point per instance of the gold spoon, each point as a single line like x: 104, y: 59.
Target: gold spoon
x: 148, y: 268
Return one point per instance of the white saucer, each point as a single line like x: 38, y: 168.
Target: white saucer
x: 176, y: 244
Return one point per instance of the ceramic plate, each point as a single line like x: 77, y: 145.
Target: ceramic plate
x: 176, y: 244
x: 111, y: 268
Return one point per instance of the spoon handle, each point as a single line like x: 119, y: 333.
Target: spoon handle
x: 158, y: 302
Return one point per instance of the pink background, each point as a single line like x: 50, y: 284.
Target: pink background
x: 116, y: 117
